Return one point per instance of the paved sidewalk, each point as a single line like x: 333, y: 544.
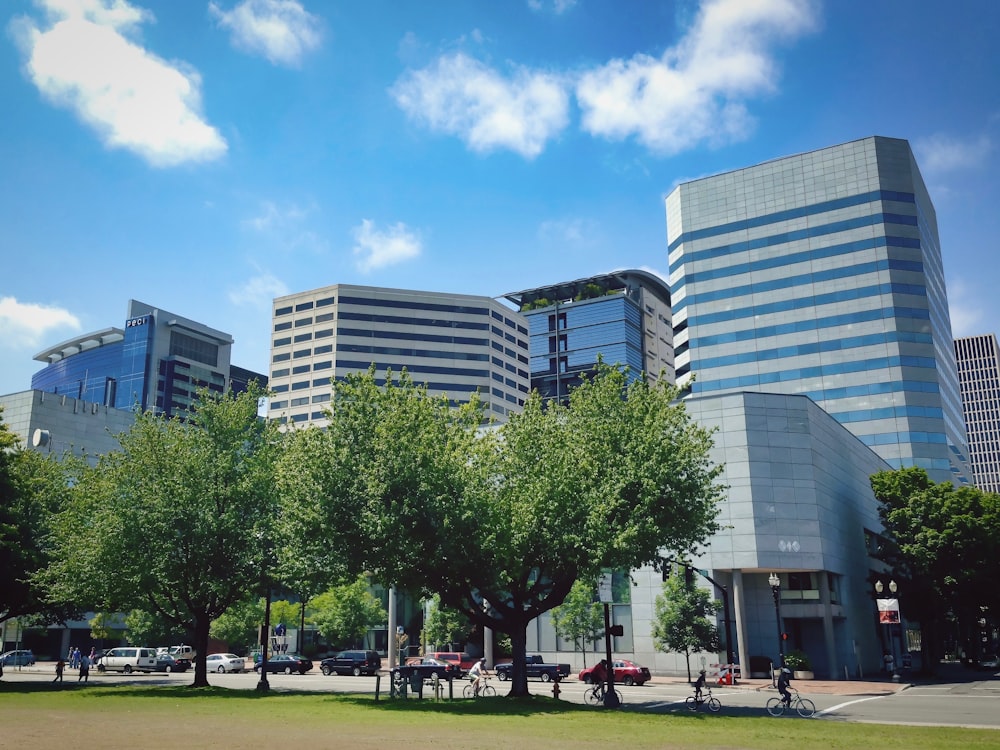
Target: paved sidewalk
x: 832, y: 687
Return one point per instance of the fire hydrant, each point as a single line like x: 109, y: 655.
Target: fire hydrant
x: 555, y: 689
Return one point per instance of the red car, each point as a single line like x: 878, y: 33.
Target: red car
x: 626, y: 673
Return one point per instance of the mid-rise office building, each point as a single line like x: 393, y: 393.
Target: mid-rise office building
x: 978, y: 362
x: 821, y: 274
x: 623, y: 317
x: 456, y: 344
x: 157, y: 361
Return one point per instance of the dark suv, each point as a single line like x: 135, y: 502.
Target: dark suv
x: 352, y: 662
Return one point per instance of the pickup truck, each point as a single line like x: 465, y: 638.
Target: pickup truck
x: 536, y: 668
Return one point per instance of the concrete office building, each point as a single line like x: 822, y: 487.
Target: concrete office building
x: 821, y: 274
x: 456, y: 344
x: 799, y: 505
x: 156, y: 361
x: 979, y: 377
x: 622, y: 316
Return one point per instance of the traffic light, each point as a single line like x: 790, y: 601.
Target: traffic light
x: 784, y: 636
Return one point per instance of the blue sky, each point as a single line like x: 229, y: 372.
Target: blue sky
x: 205, y: 157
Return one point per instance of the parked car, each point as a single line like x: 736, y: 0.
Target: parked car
x: 168, y: 663
x: 463, y: 660
x: 225, y: 663
x: 428, y: 667
x: 128, y: 659
x: 18, y: 658
x: 989, y: 662
x: 626, y: 673
x: 352, y: 662
x: 286, y: 663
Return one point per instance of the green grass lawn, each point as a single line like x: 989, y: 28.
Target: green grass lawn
x: 34, y: 716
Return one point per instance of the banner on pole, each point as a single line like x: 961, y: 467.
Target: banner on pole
x: 888, y: 610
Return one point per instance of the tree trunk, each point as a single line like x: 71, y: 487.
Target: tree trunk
x: 519, y: 669
x: 201, y: 625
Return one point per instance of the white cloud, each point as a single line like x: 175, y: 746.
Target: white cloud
x: 377, y: 248
x: 273, y: 216
x: 287, y: 226
x: 136, y: 101
x: 462, y: 96
x: 567, y: 231
x: 258, y: 291
x: 965, y: 308
x: 26, y: 324
x: 696, y: 90
x: 281, y: 30
x: 555, y: 6
x: 943, y: 153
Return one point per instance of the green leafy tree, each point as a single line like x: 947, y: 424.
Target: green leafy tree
x: 682, y: 619
x: 579, y: 618
x: 443, y: 625
x: 238, y: 625
x: 32, y: 489
x: 944, y: 551
x: 346, y: 613
x: 179, y: 522
x: 145, y: 629
x: 502, y: 523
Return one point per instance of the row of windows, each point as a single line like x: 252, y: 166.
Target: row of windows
x: 889, y: 412
x: 407, y: 336
x: 832, y: 321
x: 792, y: 213
x: 896, y: 438
x: 508, y: 322
x: 412, y: 305
x: 325, y: 302
x: 285, y: 356
x: 401, y: 320
x: 745, y: 269
x: 816, y: 347
x: 783, y: 238
x: 802, y: 373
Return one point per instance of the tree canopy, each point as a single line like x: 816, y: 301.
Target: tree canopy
x: 32, y: 488
x: 579, y: 618
x: 501, y: 522
x: 681, y: 621
x: 344, y: 614
x: 944, y: 551
x: 178, y: 522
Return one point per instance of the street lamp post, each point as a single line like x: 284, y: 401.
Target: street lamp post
x: 775, y: 582
x: 889, y: 613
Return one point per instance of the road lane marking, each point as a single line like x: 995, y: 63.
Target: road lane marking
x: 848, y: 703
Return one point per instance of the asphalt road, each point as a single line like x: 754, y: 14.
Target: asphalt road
x: 972, y: 703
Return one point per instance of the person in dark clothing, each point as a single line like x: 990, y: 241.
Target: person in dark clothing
x: 699, y: 684
x: 784, y: 680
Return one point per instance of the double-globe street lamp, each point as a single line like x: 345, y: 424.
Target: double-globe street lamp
x: 775, y: 582
x: 889, y: 614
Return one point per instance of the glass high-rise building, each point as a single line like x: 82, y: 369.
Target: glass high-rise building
x: 821, y: 274
x: 456, y: 344
x: 623, y: 317
x: 979, y: 376
x: 157, y: 361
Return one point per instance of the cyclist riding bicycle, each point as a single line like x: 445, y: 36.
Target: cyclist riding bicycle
x: 477, y: 674
x: 699, y: 685
x: 784, y: 680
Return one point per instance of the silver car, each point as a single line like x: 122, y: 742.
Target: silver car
x: 224, y: 663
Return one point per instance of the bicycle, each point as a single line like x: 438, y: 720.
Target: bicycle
x: 804, y: 706
x: 595, y: 696
x: 693, y: 701
x: 485, y: 689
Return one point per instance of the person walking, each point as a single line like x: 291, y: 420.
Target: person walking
x: 60, y: 666
x: 84, y: 669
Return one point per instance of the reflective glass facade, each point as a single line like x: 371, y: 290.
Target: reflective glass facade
x: 622, y: 317
x: 821, y: 274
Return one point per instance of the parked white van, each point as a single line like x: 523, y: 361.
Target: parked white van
x: 128, y: 659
